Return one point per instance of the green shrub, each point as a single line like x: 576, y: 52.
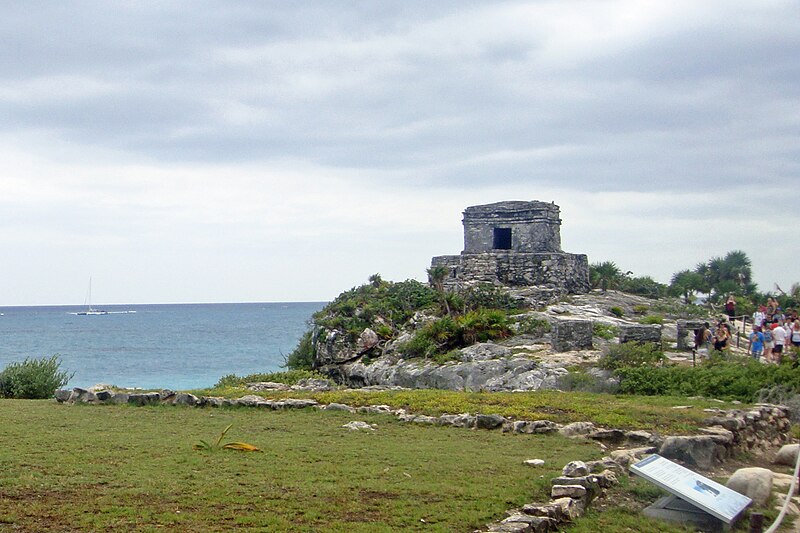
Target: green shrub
x: 33, y: 379
x: 486, y: 295
x: 631, y: 354
x: 484, y: 325
x: 290, y: 377
x: 533, y: 326
x: 450, y: 333
x: 617, y: 311
x: 641, y: 309
x: 579, y: 381
x: 652, y: 319
x: 604, y: 331
x: 302, y: 357
x: 718, y: 378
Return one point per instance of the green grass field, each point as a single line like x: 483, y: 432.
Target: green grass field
x: 92, y: 468
x: 122, y: 468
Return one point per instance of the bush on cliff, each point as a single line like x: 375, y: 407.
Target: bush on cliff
x: 302, y: 357
x: 378, y: 303
x: 723, y: 379
x: 631, y: 354
x: 449, y: 333
x: 33, y: 379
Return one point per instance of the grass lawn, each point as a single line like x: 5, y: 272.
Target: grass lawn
x: 93, y: 468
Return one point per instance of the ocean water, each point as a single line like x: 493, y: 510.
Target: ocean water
x: 177, y: 346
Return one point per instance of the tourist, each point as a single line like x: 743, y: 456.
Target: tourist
x: 760, y: 316
x: 779, y: 338
x: 772, y: 308
x: 768, y: 342
x: 721, y: 337
x: 756, y: 346
x: 795, y: 333
x: 702, y: 339
x: 730, y: 308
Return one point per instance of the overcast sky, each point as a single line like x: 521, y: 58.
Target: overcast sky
x: 284, y: 151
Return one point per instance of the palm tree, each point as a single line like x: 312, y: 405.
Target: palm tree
x: 436, y: 277
x: 686, y: 283
x: 737, y: 268
x: 605, y: 275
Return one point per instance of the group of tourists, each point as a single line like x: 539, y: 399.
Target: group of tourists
x: 719, y: 336
x: 773, y: 331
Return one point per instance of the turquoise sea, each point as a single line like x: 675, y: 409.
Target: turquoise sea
x: 178, y: 346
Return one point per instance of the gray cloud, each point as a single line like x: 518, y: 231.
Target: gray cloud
x: 443, y: 100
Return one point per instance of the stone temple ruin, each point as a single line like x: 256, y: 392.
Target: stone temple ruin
x: 516, y: 244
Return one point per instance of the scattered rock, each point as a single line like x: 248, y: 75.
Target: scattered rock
x: 700, y: 451
x: 534, y: 462
x: 575, y: 469
x: 357, y: 425
x: 576, y: 429
x: 339, y: 407
x: 787, y: 455
x: 755, y: 483
x: 62, y: 395
x: 489, y: 421
x: 610, y: 435
x: 782, y: 482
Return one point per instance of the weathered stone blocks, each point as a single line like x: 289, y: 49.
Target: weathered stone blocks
x: 640, y: 333
x: 571, y: 334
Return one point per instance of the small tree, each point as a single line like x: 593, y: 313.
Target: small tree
x: 436, y: 277
x: 33, y: 379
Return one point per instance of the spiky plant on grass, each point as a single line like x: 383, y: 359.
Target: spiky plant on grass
x: 238, y: 446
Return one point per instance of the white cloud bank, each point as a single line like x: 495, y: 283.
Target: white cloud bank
x: 237, y: 152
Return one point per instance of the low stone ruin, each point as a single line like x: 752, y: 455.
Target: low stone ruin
x: 571, y: 334
x: 640, y: 333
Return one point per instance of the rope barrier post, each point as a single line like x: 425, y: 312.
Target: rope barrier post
x: 756, y: 523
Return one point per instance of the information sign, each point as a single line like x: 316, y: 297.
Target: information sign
x: 706, y: 494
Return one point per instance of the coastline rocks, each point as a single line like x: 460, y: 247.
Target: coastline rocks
x: 503, y: 374
x: 484, y: 351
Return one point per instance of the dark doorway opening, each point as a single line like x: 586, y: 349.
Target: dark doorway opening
x: 502, y: 239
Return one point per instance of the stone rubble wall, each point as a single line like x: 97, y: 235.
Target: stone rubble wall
x: 568, y: 272
x: 727, y: 432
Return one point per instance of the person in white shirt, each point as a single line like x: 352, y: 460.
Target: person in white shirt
x: 795, y: 333
x: 759, y: 316
x: 779, y: 338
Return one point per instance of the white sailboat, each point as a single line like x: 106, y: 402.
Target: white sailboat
x: 88, y: 303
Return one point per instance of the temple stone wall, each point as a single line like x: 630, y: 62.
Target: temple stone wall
x: 534, y: 227
x: 516, y: 244
x: 569, y: 272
